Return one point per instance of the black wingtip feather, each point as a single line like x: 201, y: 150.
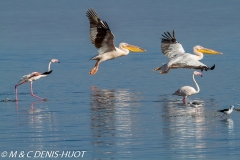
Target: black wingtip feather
x: 46, y: 73
x: 168, y: 38
x: 91, y: 13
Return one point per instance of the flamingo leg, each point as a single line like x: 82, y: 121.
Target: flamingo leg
x: 95, y: 68
x: 16, y: 90
x: 184, y: 100
x: 34, y: 94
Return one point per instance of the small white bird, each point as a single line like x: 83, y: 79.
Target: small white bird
x: 195, y: 104
x: 34, y: 76
x: 226, y: 112
x: 188, y: 90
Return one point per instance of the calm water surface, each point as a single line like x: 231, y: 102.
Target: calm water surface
x: 125, y: 111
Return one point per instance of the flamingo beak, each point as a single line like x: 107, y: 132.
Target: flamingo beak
x: 134, y: 48
x: 198, y: 73
x: 208, y: 51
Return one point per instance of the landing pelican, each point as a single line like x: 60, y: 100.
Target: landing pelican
x: 178, y: 58
x: 102, y: 38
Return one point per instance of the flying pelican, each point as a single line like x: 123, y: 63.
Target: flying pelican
x: 226, y: 111
x: 34, y: 76
x: 102, y: 38
x: 188, y: 90
x: 178, y: 58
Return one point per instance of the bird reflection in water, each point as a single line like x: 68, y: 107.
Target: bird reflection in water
x: 41, y: 124
x: 176, y: 107
x: 111, y: 117
x: 182, y: 127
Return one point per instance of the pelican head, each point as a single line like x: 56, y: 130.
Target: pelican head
x: 197, y: 73
x: 232, y: 106
x: 132, y: 47
x: 205, y: 50
x: 55, y: 60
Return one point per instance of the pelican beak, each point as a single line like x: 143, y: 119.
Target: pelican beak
x: 209, y: 51
x: 134, y: 48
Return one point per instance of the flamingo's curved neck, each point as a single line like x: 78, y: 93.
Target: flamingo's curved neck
x: 198, y: 89
x: 49, y: 65
x: 198, y: 54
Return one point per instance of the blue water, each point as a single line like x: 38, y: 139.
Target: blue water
x: 125, y: 111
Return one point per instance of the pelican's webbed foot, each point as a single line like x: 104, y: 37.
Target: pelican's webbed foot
x: 206, y: 69
x: 93, y: 71
x: 212, y: 68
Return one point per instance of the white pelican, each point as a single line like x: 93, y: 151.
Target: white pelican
x: 102, y: 38
x: 34, y: 76
x: 186, y: 91
x: 226, y: 111
x: 178, y: 58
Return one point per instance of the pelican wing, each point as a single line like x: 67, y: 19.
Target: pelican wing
x: 100, y: 34
x: 186, y: 61
x: 170, y: 46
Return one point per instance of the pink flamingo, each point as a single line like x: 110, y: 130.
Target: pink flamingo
x: 188, y: 90
x: 32, y: 77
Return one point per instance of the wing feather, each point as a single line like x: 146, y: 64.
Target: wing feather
x: 100, y: 33
x: 25, y: 78
x: 170, y: 46
x: 186, y: 61
x: 223, y: 110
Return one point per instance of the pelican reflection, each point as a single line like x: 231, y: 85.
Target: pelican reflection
x: 111, y: 111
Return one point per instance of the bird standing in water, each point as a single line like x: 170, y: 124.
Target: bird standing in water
x: 34, y: 76
x: 195, y: 105
x: 186, y: 91
x: 226, y: 112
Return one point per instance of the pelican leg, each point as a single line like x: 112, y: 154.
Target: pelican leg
x: 158, y: 68
x: 95, y: 68
x: 34, y: 94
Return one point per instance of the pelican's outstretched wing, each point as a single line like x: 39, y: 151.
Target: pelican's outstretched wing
x: 186, y: 61
x: 170, y: 46
x: 177, y: 56
x: 100, y: 34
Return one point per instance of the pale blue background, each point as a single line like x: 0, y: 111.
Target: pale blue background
x: 125, y: 111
